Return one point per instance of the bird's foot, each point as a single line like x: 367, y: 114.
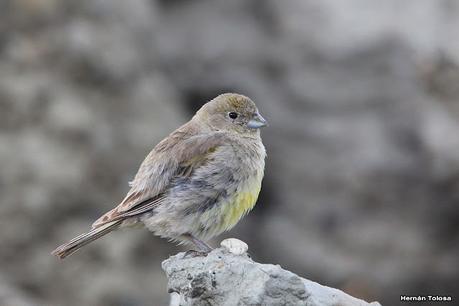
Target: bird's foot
x: 194, y: 253
x: 203, y: 247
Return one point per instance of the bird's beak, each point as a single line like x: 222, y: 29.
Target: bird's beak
x: 257, y: 122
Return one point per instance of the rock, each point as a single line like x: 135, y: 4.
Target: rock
x: 235, y: 246
x: 227, y: 276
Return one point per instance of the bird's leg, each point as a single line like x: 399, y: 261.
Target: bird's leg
x: 203, y: 247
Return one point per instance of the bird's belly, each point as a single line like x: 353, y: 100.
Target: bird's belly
x: 226, y: 214
x: 233, y: 211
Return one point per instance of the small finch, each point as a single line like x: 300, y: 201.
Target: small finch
x: 196, y: 183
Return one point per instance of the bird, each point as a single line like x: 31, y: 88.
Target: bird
x: 197, y: 182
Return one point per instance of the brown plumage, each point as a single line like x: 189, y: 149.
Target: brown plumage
x: 197, y: 182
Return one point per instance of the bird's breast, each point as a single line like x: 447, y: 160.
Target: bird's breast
x: 224, y: 190
x: 250, y: 176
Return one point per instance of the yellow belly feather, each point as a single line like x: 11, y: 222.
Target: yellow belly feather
x: 242, y: 203
x: 224, y: 216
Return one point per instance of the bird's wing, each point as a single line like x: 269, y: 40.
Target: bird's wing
x: 175, y: 156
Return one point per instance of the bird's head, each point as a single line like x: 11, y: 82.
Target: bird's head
x: 232, y: 112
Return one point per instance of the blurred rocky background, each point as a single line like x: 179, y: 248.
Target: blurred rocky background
x: 362, y: 180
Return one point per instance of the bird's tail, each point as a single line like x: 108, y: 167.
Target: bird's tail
x: 78, y: 242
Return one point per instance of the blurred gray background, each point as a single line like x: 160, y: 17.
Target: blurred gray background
x: 362, y: 177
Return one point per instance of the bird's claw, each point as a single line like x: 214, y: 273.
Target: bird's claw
x: 194, y: 253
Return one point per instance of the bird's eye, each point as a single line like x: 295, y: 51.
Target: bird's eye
x: 232, y: 115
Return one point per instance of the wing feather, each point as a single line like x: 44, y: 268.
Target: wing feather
x: 174, y: 157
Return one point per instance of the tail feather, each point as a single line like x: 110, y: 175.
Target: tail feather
x: 78, y: 242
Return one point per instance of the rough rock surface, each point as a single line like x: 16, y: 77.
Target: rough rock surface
x: 226, y: 277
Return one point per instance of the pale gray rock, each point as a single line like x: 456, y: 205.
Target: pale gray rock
x: 225, y: 278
